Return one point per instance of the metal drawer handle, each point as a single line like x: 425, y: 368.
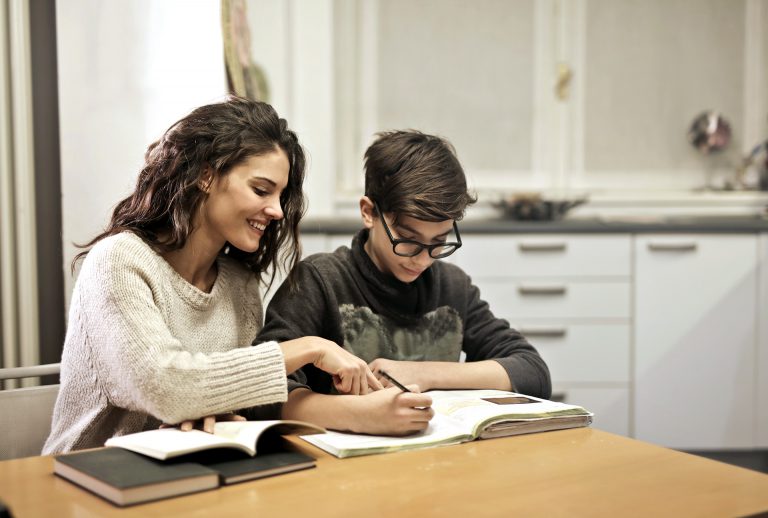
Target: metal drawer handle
x: 553, y: 332
x: 541, y: 290
x: 672, y: 247
x: 542, y: 247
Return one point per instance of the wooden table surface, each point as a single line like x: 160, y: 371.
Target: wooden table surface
x: 564, y: 473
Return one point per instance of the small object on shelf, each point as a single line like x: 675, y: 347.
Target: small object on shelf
x: 710, y: 132
x: 533, y: 207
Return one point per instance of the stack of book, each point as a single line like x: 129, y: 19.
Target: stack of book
x: 157, y: 464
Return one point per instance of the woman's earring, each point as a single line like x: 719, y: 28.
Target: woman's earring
x: 226, y: 250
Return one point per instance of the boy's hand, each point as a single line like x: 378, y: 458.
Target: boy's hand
x: 403, y: 371
x: 393, y: 412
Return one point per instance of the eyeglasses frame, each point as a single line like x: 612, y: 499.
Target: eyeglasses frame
x: 457, y: 244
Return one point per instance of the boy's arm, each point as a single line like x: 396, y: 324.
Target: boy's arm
x: 489, y: 338
x: 498, y: 357
x: 488, y: 374
x: 384, y: 412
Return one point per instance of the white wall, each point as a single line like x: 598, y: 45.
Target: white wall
x: 127, y: 70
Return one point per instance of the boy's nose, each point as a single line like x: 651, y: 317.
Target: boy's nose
x: 423, y: 258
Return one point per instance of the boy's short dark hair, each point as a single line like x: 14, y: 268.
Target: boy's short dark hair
x: 418, y: 175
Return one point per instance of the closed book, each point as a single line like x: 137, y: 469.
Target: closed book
x: 236, y: 466
x: 126, y: 478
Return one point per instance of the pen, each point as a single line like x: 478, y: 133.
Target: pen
x: 394, y: 381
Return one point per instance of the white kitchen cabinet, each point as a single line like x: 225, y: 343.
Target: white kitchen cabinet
x: 570, y: 295
x: 761, y: 404
x: 695, y: 340
x: 609, y: 404
x: 628, y: 125
x: 552, y: 256
x: 313, y: 244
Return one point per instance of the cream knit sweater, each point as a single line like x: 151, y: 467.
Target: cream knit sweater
x: 144, y: 346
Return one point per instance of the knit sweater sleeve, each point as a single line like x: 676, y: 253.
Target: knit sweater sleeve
x: 489, y: 338
x: 142, y: 366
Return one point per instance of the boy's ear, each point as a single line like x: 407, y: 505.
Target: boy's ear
x: 367, y: 211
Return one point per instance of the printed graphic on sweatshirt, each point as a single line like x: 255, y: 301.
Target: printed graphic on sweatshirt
x: 436, y: 337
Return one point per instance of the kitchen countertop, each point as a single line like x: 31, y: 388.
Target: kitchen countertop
x: 615, y: 224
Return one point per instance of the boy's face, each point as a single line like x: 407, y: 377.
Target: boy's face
x: 379, y: 246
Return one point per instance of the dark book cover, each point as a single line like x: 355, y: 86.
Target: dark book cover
x: 124, y: 477
x: 236, y: 466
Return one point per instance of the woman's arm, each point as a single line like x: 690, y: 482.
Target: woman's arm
x: 350, y: 374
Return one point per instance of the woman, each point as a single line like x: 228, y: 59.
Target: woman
x: 169, y: 292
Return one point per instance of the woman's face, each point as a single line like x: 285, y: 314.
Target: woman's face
x: 244, y: 202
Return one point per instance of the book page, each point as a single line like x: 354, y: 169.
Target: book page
x: 166, y: 443
x: 170, y: 442
x: 441, y: 430
x: 247, y: 433
x: 474, y: 409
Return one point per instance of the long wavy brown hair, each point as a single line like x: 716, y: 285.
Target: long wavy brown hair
x: 168, y: 191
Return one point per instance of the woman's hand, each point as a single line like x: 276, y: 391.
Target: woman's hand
x: 403, y: 371
x: 206, y: 423
x: 351, y: 375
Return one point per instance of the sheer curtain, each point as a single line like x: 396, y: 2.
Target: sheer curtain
x: 18, y: 253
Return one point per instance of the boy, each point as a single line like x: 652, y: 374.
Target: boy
x: 388, y: 301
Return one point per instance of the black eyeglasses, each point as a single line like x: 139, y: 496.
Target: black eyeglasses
x: 411, y: 248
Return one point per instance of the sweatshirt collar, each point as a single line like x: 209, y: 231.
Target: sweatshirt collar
x: 405, y: 300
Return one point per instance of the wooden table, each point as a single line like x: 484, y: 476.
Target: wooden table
x: 576, y: 472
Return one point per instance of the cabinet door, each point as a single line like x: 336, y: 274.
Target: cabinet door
x: 583, y: 353
x: 762, y: 344
x: 695, y: 337
x: 458, y: 69
x: 629, y: 118
x: 609, y: 404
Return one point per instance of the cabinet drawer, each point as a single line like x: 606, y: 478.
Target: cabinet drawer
x: 582, y: 353
x: 610, y: 405
x: 518, y: 300
x: 545, y: 255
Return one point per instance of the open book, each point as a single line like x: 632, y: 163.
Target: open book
x: 166, y: 443
x: 462, y: 416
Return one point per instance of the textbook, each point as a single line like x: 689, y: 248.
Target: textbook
x: 126, y: 478
x: 166, y: 443
x: 463, y: 416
